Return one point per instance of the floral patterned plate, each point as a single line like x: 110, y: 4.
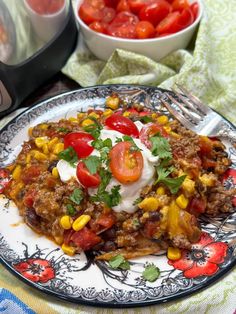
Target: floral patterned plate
x: 41, y: 263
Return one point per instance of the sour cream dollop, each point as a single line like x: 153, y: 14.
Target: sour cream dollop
x: 129, y: 192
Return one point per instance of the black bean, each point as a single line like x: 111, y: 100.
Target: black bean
x: 109, y: 246
x: 52, y: 165
x: 154, y: 216
x: 109, y: 234
x: 31, y: 217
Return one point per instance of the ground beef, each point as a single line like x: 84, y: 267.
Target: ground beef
x: 219, y: 200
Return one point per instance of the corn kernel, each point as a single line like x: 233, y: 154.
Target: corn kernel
x: 112, y: 102
x: 59, y: 147
x: 28, y: 158
x: 208, y: 179
x: 16, y: 172
x: 154, y: 115
x: 52, y: 143
x: 38, y: 155
x: 94, y: 115
x: 66, y: 222
x: 52, y: 157
x: 80, y: 115
x: 69, y: 250
x: 188, y: 186
x: 80, y: 222
x: 43, y: 126
x: 40, y: 141
x: 182, y: 201
x: 167, y: 128
x: 87, y: 122
x: 161, y: 190
x: 162, y: 120
x: 45, y: 149
x: 173, y: 253
x: 107, y: 112
x: 17, y: 188
x: 30, y: 131
x: 55, y: 173
x: 175, y: 135
x: 73, y: 120
x: 149, y: 204
x: 146, y: 215
x: 126, y: 114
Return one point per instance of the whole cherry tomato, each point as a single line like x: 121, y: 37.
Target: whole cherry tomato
x: 149, y: 130
x: 123, y: 25
x: 122, y: 124
x: 145, y: 29
x: 180, y: 5
x: 87, y: 179
x: 194, y: 8
x: 155, y: 12
x: 123, y: 5
x: 79, y: 141
x: 126, y: 164
x: 186, y: 18
x: 91, y: 10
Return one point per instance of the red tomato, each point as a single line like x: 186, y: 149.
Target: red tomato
x: 150, y: 129
x: 206, y: 145
x: 137, y: 5
x: 4, y: 179
x: 29, y: 198
x: 54, y: 6
x: 197, y: 206
x: 150, y: 228
x: 111, y: 3
x: 79, y: 141
x: 85, y: 239
x: 45, y: 6
x: 186, y: 18
x: 106, y: 220
x: 91, y: 10
x: 67, y: 236
x: 126, y: 165
x: 123, y: 25
x: 108, y: 14
x: 194, y: 8
x: 122, y: 124
x: 31, y: 173
x: 170, y: 24
x: 123, y: 5
x: 155, y: 12
x: 87, y: 179
x: 99, y: 27
x: 145, y: 29
x: 180, y: 5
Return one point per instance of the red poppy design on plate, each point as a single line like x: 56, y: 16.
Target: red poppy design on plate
x: 229, y: 180
x: 203, y: 259
x: 36, y: 270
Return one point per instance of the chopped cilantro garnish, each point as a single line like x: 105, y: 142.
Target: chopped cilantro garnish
x: 128, y: 138
x: 63, y: 130
x: 76, y: 196
x: 151, y: 273
x: 94, y: 129
x: 119, y: 261
x: 69, y: 155
x: 103, y: 147
x: 137, y: 201
x: 160, y: 147
x: 71, y: 210
x: 92, y: 163
x: 146, y: 119
x: 172, y: 183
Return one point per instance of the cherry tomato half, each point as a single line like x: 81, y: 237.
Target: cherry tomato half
x: 108, y: 14
x: 169, y: 24
x: 91, y: 10
x: 137, y: 5
x: 126, y: 165
x: 145, y: 29
x: 186, y: 18
x: 99, y: 27
x: 122, y: 124
x: 155, y: 12
x: 150, y: 129
x: 180, y: 5
x: 87, y: 179
x: 79, y: 141
x: 194, y: 8
x: 123, y: 25
x: 123, y: 5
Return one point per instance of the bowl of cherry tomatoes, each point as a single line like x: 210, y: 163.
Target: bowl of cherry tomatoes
x: 153, y: 28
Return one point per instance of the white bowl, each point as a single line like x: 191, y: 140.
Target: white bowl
x: 102, y: 46
x: 46, y: 25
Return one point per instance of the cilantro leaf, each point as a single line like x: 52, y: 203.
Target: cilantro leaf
x: 172, y: 183
x: 63, y: 130
x: 69, y: 155
x: 95, y: 128
x: 119, y: 261
x: 161, y: 147
x: 151, y: 273
x: 92, y: 163
x: 70, y: 209
x: 137, y: 201
x: 76, y: 196
x: 146, y: 119
x: 115, y: 196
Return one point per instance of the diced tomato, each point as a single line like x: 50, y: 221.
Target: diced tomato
x: 150, y: 228
x: 149, y: 130
x: 29, y: 198
x: 106, y: 220
x: 180, y: 5
x: 91, y: 10
x: 186, y: 18
x: 4, y: 179
x: 123, y: 5
x: 206, y: 145
x: 108, y: 14
x: 122, y: 124
x: 194, y: 8
x: 31, y: 173
x: 155, y: 12
x: 197, y: 206
x: 99, y: 27
x: 79, y: 141
x: 87, y: 179
x: 126, y: 164
x: 67, y: 236
x: 144, y: 30
x: 123, y: 25
x: 170, y: 24
x: 85, y: 239
x: 208, y: 163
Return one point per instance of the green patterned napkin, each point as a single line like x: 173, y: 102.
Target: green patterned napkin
x: 208, y: 69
